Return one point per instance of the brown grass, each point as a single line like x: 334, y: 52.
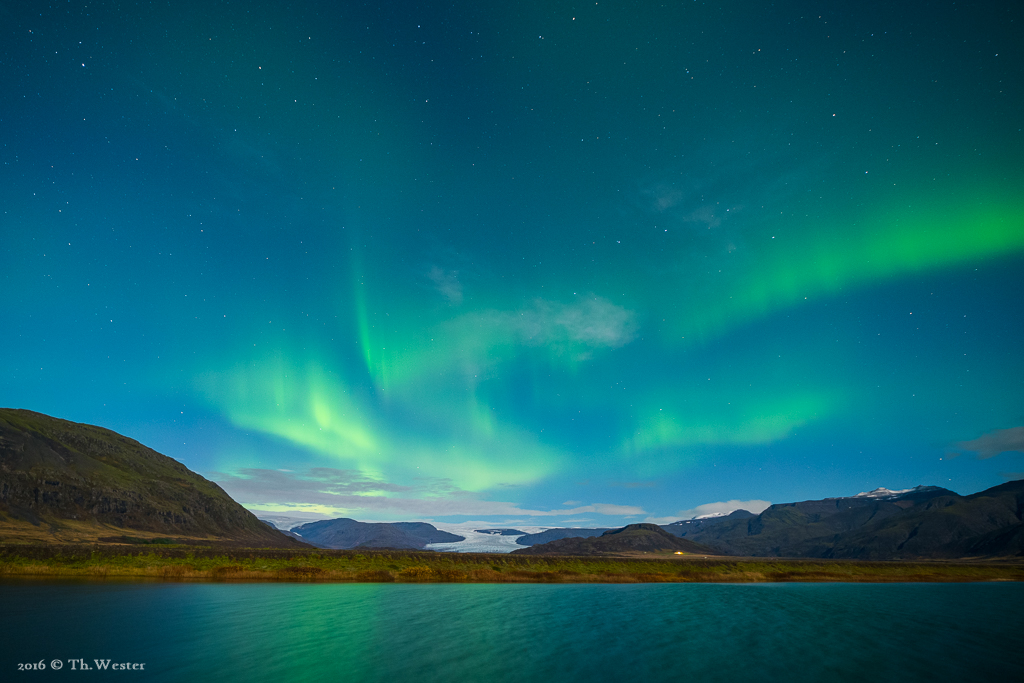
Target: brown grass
x: 212, y: 563
x: 71, y: 531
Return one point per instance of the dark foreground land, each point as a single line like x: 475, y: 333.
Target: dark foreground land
x: 182, y: 562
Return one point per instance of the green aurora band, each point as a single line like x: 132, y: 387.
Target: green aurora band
x: 432, y: 377
x: 647, y: 256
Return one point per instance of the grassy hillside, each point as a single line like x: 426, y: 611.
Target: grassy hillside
x: 62, y: 481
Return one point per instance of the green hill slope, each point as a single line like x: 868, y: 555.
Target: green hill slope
x: 62, y: 481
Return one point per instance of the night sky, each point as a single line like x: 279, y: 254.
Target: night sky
x: 526, y: 263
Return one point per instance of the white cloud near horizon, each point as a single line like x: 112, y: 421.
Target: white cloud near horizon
x: 348, y: 493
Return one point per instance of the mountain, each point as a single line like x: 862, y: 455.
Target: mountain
x: 923, y: 522
x: 686, y: 527
x: 984, y: 524
x: 629, y: 539
x: 348, y: 533
x: 680, y: 528
x: 557, y: 534
x: 64, y: 482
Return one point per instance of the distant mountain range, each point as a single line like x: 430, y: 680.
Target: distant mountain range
x: 632, y: 538
x: 66, y: 482
x: 919, y: 523
x: 348, y: 533
x: 926, y: 522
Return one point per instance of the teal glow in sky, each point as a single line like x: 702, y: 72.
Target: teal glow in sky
x: 532, y: 263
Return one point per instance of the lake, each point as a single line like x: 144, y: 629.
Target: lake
x: 450, y: 633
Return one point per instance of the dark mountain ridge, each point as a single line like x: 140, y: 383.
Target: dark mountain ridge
x: 549, y: 535
x: 348, y: 533
x: 690, y: 526
x: 59, y: 477
x: 680, y: 528
x: 632, y: 538
x: 926, y: 522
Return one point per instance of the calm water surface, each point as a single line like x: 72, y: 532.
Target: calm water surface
x: 454, y: 633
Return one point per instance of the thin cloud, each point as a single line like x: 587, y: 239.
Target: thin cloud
x: 603, y: 509
x: 327, y: 491
x: 661, y: 520
x: 479, y: 340
x: 991, y: 444
x: 663, y: 196
x: 593, y: 321
x: 704, y: 215
x: 447, y: 283
x: 318, y: 485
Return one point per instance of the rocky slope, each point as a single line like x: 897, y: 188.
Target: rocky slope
x: 59, y: 478
x: 633, y: 538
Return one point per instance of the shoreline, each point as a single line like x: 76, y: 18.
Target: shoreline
x: 260, y: 565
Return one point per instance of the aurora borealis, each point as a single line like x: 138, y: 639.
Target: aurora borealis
x: 536, y: 262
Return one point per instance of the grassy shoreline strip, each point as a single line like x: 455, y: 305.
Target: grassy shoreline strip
x: 189, y: 563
